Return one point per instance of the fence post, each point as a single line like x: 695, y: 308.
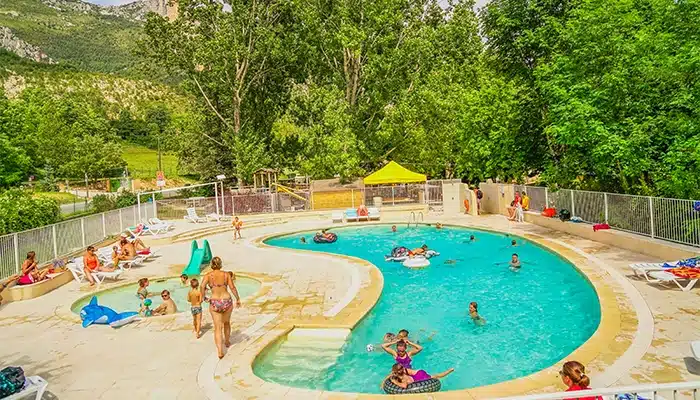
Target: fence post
x: 121, y: 224
x: 651, y: 215
x: 352, y: 197
x: 392, y: 197
x: 546, y: 198
x: 272, y: 203
x: 55, y: 245
x: 233, y: 206
x: 605, y: 200
x: 573, y: 205
x: 16, y: 244
x: 82, y: 229
x: 104, y: 226
x: 155, y: 207
x: 136, y: 220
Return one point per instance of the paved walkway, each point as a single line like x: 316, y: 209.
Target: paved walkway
x: 159, y: 358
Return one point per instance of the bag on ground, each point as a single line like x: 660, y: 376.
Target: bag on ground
x: 11, y: 381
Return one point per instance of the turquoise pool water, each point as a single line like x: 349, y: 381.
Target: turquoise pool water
x: 535, y: 317
x: 124, y: 298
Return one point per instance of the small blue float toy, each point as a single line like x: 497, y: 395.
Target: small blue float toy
x: 97, y: 314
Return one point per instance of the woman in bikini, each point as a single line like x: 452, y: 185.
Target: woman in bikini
x: 220, y: 304
x: 92, y: 264
x: 30, y: 271
x: 401, y: 355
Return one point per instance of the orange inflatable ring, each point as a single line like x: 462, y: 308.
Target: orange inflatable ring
x: 466, y: 205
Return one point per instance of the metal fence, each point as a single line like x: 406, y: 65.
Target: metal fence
x: 675, y: 220
x: 65, y: 238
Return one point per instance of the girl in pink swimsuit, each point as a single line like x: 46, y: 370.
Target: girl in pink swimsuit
x: 401, y: 354
x: 402, y: 376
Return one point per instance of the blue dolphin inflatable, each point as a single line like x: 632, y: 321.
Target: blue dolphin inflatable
x: 96, y: 314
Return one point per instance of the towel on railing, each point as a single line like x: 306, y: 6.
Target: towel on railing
x: 685, y: 272
x: 688, y: 262
x: 629, y: 396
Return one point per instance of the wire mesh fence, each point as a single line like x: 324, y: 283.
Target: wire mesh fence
x: 62, y: 239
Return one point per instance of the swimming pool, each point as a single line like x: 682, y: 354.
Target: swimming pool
x: 124, y: 298
x: 535, y: 317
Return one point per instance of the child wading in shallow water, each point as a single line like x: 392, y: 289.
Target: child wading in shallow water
x: 195, y: 299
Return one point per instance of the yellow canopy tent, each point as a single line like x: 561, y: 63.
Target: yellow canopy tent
x: 393, y: 173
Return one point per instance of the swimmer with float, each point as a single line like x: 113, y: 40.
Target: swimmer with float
x: 402, y: 355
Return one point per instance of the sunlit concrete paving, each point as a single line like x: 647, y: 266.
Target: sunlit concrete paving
x: 159, y: 358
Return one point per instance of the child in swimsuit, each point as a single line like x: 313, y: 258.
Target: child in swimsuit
x: 401, y: 354
x: 145, y: 311
x: 402, y: 376
x: 195, y: 299
x: 237, y: 225
x: 183, y: 280
x: 514, y: 263
x: 142, y: 292
x: 474, y: 313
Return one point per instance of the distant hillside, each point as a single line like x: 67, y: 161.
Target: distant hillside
x: 18, y: 74
x: 87, y: 36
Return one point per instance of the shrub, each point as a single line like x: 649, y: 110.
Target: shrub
x: 20, y: 211
x: 103, y: 202
x: 126, y: 199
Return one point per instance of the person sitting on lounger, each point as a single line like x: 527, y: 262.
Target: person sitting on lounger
x: 139, y: 246
x: 92, y: 264
x: 513, y: 206
x: 128, y: 250
x: 30, y: 271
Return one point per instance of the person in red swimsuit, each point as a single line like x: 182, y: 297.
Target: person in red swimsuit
x: 30, y: 271
x: 573, y: 374
x: 91, y: 264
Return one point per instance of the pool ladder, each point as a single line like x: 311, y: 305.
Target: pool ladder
x: 413, y: 218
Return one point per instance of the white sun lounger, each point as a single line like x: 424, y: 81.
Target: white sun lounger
x: 76, y: 268
x: 373, y: 213
x: 217, y: 217
x: 337, y: 216
x: 667, y: 277
x: 351, y: 215
x: 193, y: 217
x: 695, y: 349
x: 33, y: 384
x: 158, y: 221
x: 644, y: 268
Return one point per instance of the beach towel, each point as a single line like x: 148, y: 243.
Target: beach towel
x: 688, y: 262
x: 685, y: 272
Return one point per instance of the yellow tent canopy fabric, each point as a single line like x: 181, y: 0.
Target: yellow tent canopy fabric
x: 393, y: 173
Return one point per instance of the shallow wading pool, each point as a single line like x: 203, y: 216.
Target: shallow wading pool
x: 535, y: 317
x: 124, y: 298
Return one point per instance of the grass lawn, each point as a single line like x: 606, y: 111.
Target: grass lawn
x: 60, y: 197
x: 143, y: 162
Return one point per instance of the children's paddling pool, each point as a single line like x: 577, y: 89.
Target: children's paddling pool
x: 124, y: 298
x: 535, y: 317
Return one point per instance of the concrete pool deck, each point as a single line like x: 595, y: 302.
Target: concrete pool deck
x: 645, y: 338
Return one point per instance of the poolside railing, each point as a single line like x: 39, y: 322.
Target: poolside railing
x: 668, y: 391
x: 674, y: 220
x: 62, y: 239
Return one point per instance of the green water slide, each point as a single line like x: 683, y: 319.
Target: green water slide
x: 199, y: 257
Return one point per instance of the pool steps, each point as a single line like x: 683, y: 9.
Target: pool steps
x: 311, y: 349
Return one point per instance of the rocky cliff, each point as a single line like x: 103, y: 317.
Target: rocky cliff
x: 10, y: 42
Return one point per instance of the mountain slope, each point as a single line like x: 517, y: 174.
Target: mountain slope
x: 90, y: 37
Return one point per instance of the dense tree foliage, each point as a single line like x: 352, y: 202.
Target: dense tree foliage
x: 20, y: 211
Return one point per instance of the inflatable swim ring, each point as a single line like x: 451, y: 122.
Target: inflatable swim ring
x: 416, y: 262
x: 397, y: 254
x: 322, y: 239
x: 428, y: 386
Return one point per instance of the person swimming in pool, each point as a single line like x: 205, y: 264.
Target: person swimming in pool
x: 393, y: 228
x: 402, y: 355
x: 514, y: 263
x: 471, y: 240
x: 402, y: 376
x: 302, y: 240
x: 474, y: 314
